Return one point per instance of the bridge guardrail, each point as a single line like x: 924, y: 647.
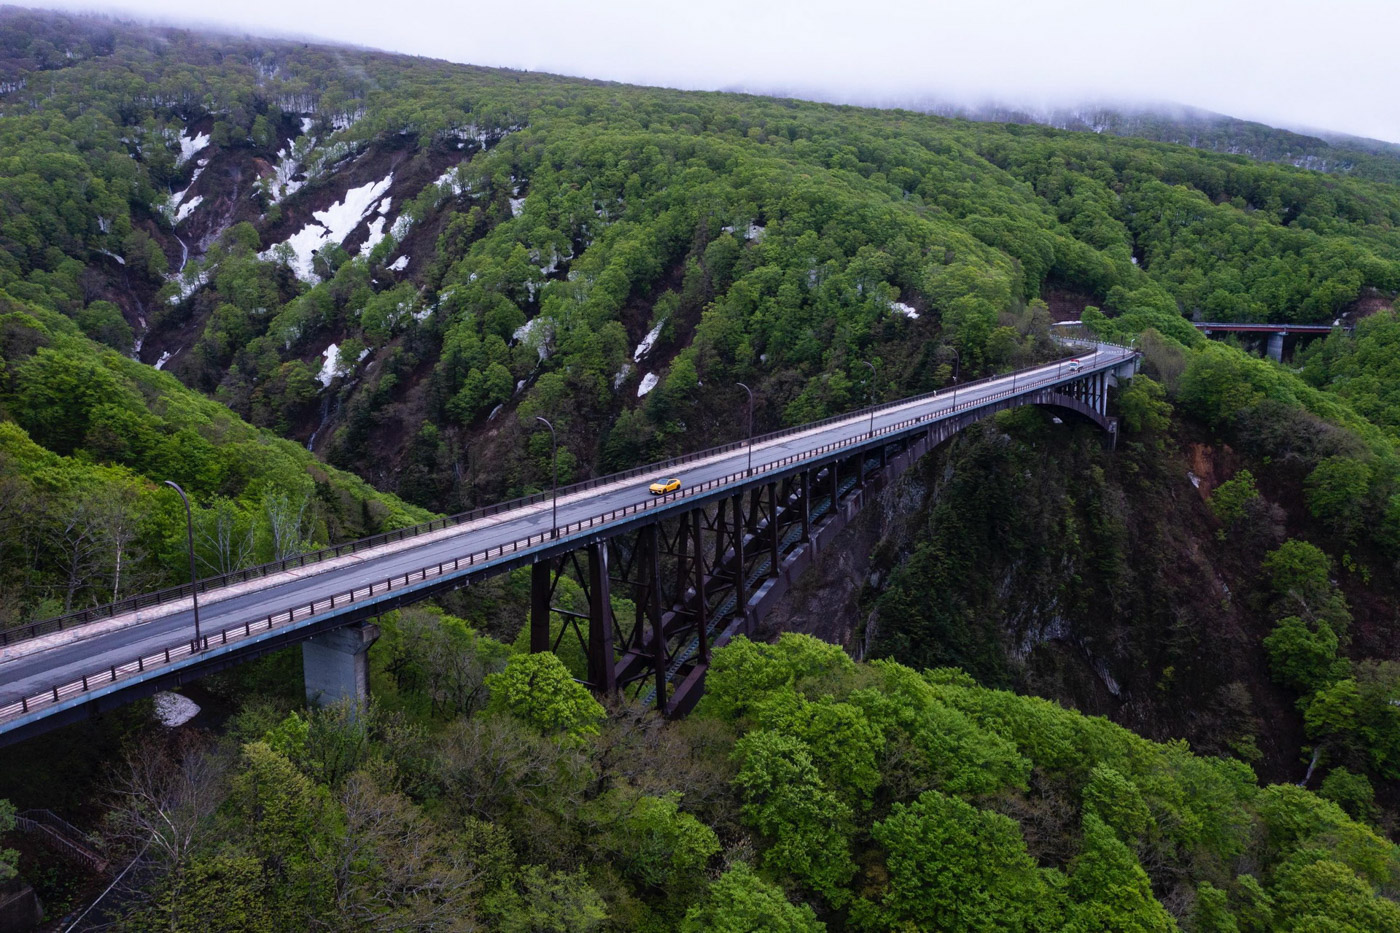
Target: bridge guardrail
x: 111, y: 674
x: 171, y: 594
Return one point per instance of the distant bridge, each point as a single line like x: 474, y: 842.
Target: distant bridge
x: 702, y: 564
x: 1273, y: 333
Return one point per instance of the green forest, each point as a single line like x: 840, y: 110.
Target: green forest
x: 1146, y: 688
x: 807, y: 793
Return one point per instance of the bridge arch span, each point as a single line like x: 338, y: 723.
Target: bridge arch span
x: 1067, y: 403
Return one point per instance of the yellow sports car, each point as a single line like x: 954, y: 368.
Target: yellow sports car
x: 663, y: 486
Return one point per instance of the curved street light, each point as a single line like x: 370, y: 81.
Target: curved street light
x: 554, y: 510
x: 957, y: 363
x: 750, y: 392
x: 957, y: 371
x: 189, y: 541
x: 871, y: 366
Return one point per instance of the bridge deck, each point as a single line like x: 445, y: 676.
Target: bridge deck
x: 62, y: 670
x: 1242, y: 328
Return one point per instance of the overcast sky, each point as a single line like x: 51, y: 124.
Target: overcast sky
x: 1328, y: 65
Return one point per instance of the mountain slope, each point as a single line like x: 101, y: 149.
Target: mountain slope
x: 400, y: 263
x: 1335, y: 153
x: 448, y: 206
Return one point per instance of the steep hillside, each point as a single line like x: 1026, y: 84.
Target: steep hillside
x: 399, y: 263
x: 365, y: 251
x: 87, y: 436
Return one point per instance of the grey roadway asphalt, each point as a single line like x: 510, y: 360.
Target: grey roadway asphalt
x: 26, y: 671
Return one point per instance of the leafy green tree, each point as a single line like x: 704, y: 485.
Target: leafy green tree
x: 1332, y: 715
x: 287, y: 815
x: 541, y: 901
x: 1352, y: 792
x: 1378, y: 685
x: 1231, y: 498
x: 844, y: 744
x: 1304, y: 656
x: 1327, y: 895
x: 653, y: 841
x: 1298, y: 569
x: 785, y: 799
x: 1212, y: 913
x: 954, y: 867
x: 103, y: 322
x: 1337, y: 493
x: 1215, y: 386
x: 1117, y: 802
x: 740, y: 901
x: 223, y: 893
x: 744, y: 673
x: 538, y: 689
x: 1108, y: 890
x: 1144, y: 406
x: 1253, y: 906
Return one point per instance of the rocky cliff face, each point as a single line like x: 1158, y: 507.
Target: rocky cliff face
x: 1028, y: 554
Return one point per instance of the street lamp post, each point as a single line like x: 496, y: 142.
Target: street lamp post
x: 749, y: 472
x: 554, y: 457
x: 957, y: 371
x: 189, y: 541
x: 870, y: 366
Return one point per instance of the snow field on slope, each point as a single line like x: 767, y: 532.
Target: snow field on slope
x: 333, y: 225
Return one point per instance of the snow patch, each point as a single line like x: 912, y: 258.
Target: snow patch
x: 376, y: 233
x: 648, y: 341
x: 517, y: 206
x: 552, y: 266
x: 172, y: 709
x: 536, y: 332
x: 400, y: 264
x: 190, y: 146
x: 649, y: 382
x: 900, y: 307
x: 452, y: 181
x: 188, y: 284
x: 621, y: 376
x: 178, y: 197
x: 164, y: 358
x: 343, y: 121
x: 187, y: 208
x: 306, y: 124
x: 331, y: 225
x: 329, y: 367
x: 283, y: 183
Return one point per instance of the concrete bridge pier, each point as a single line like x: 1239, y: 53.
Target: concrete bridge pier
x: 335, y: 664
x: 1275, y: 348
